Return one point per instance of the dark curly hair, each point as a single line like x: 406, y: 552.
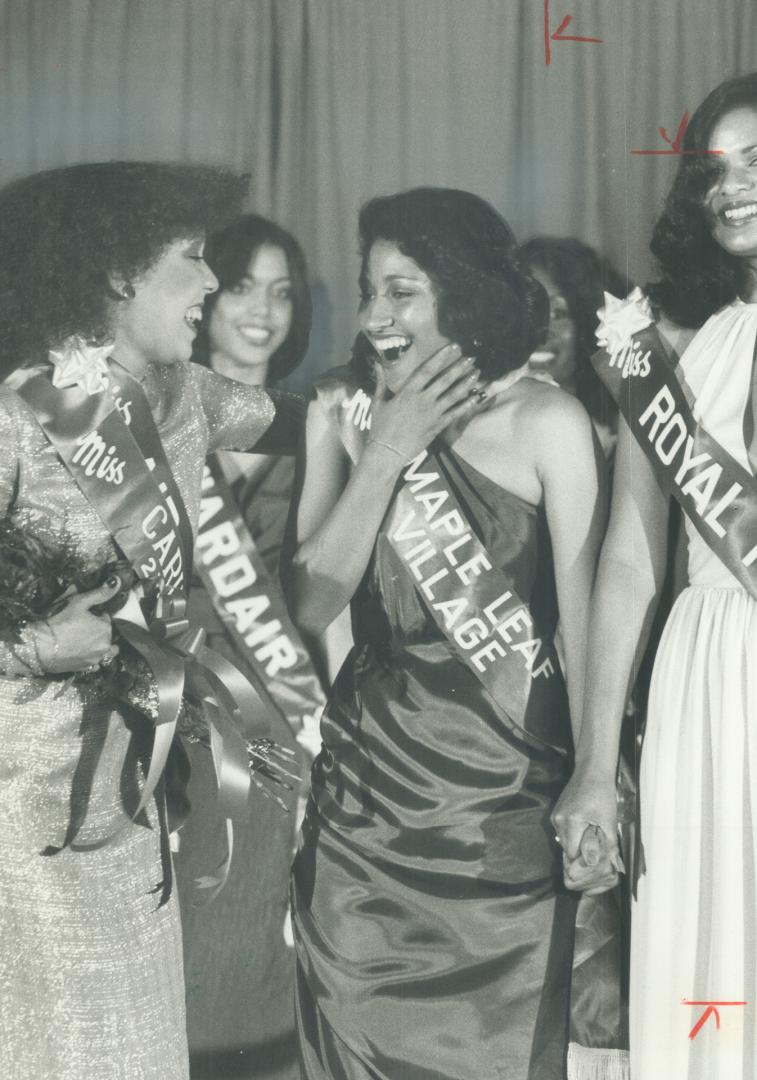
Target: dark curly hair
x: 64, y: 232
x: 486, y: 302
x: 582, y: 276
x: 698, y: 276
x: 228, y: 255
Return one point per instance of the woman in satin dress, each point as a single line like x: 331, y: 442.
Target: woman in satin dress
x: 91, y: 978
x: 433, y: 937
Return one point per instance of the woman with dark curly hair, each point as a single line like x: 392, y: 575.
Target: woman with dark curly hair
x: 688, y: 431
x: 432, y: 934
x: 104, y: 426
x: 575, y: 278
x: 255, y: 329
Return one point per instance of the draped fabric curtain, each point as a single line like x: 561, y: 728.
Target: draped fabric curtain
x: 327, y: 102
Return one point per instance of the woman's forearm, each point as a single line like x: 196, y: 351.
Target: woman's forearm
x: 328, y: 566
x: 622, y: 611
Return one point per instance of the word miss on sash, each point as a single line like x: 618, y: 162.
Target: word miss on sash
x: 102, y: 460
x: 489, y: 624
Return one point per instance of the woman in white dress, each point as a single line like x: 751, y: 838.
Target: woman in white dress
x: 694, y: 929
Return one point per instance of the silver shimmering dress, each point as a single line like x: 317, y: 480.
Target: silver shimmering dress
x: 91, y: 981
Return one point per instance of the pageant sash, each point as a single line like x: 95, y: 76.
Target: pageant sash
x: 714, y: 490
x: 99, y: 438
x: 475, y: 604
x: 250, y: 605
x: 110, y: 445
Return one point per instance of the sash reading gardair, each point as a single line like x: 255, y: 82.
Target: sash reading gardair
x: 474, y: 603
x: 100, y: 423
x: 715, y: 491
x: 250, y: 605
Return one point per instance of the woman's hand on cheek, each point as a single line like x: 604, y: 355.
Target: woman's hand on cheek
x: 440, y: 391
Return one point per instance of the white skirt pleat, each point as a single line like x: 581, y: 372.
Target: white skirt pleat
x: 694, y: 927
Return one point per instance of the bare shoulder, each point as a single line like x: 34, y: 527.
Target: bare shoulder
x: 536, y: 408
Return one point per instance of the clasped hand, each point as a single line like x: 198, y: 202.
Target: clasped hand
x: 78, y: 638
x: 585, y: 821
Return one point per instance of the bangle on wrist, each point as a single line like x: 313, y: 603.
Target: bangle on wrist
x: 388, y: 446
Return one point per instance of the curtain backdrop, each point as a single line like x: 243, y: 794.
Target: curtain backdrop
x: 327, y: 102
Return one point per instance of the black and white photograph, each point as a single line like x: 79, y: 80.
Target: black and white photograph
x: 378, y: 540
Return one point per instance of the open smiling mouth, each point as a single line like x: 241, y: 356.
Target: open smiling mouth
x: 542, y: 357
x: 255, y: 335
x: 738, y: 215
x: 391, y: 348
x: 193, y: 316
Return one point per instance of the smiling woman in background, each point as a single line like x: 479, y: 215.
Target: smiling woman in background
x: 255, y: 329
x: 432, y: 933
x: 575, y: 278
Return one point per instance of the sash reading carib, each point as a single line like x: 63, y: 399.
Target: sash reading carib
x: 714, y: 490
x: 250, y: 605
x: 474, y: 603
x: 110, y: 445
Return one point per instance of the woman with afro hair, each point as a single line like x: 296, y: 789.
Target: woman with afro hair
x: 433, y: 935
x: 102, y: 283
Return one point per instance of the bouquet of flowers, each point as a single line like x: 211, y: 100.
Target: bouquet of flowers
x: 36, y: 579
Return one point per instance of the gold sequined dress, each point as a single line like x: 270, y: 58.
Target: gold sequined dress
x: 91, y: 981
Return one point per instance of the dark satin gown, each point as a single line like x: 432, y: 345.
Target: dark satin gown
x: 433, y: 939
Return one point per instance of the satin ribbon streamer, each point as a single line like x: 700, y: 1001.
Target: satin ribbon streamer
x: 109, y: 443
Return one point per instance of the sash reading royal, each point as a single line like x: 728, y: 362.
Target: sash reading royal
x: 714, y: 490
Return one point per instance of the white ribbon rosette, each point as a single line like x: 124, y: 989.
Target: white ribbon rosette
x: 80, y: 364
x: 619, y: 320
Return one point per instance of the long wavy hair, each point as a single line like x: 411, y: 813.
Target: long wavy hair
x: 64, y: 233
x: 486, y: 302
x: 697, y: 275
x: 228, y: 253
x: 582, y: 276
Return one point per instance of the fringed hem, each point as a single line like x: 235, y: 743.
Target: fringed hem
x: 585, y: 1063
